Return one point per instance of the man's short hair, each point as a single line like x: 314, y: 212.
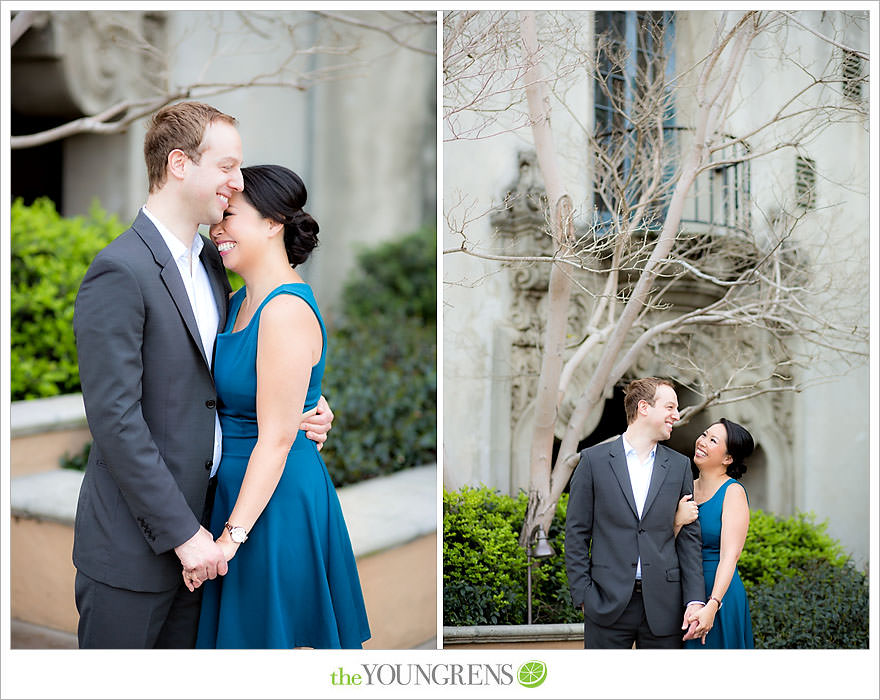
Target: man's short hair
x: 182, y: 126
x: 641, y: 390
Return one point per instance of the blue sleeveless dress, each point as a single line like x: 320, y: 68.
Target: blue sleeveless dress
x: 294, y: 582
x: 733, y: 624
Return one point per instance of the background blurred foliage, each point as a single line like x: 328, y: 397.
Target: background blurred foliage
x: 49, y: 257
x: 381, y: 374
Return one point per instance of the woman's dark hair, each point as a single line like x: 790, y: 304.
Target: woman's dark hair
x: 739, y: 446
x: 279, y: 194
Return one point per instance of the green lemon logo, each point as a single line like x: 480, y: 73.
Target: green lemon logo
x: 531, y: 674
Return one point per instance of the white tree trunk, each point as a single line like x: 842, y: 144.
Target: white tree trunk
x: 559, y: 293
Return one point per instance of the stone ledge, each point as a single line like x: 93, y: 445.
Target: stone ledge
x: 47, y: 415
x: 380, y: 513
x: 488, y: 634
x: 48, y: 495
x: 390, y: 510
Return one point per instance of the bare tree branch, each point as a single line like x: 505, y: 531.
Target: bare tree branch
x: 419, y: 19
x: 861, y: 54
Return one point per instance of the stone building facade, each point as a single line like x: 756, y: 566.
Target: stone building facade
x: 813, y: 446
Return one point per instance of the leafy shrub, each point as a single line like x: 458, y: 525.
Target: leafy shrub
x: 49, y: 257
x: 484, y: 568
x: 803, y: 591
x: 776, y: 547
x: 819, y: 606
x: 398, y: 276
x: 381, y: 381
x: 381, y: 374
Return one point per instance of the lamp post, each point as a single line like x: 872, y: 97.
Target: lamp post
x: 539, y: 548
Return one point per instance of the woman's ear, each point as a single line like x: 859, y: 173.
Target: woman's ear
x: 275, y: 228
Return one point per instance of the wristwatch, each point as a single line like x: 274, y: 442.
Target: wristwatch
x: 237, y: 533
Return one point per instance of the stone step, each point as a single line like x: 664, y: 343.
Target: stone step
x: 25, y: 635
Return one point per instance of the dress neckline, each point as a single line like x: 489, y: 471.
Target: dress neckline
x: 715, y: 493
x: 256, y: 313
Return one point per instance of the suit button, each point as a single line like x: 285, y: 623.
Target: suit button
x: 641, y: 532
x: 210, y: 403
x: 209, y: 464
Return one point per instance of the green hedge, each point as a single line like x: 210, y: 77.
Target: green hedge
x: 820, y: 606
x: 397, y: 277
x: 803, y: 590
x: 49, y: 257
x: 484, y: 568
x: 381, y: 373
x: 775, y: 547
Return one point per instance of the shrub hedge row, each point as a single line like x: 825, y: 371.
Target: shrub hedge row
x: 49, y: 257
x: 804, y: 593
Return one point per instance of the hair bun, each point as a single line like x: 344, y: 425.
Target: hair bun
x: 737, y: 469
x: 303, y: 239
x: 740, y: 445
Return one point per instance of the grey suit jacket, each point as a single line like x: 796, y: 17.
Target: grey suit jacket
x: 150, y: 403
x: 604, y: 538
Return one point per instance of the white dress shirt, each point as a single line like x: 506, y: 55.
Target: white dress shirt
x: 202, y: 302
x: 640, y: 479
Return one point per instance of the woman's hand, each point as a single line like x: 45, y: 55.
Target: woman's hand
x: 705, y: 619
x: 228, y: 546
x: 687, y: 511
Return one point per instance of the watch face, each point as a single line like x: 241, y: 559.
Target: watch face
x: 237, y: 533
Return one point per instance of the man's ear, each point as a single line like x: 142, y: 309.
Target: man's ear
x: 176, y: 163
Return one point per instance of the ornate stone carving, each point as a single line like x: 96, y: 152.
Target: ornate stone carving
x: 79, y: 63
x: 523, y: 229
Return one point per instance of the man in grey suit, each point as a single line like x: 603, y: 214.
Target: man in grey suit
x: 146, y: 317
x: 627, y: 570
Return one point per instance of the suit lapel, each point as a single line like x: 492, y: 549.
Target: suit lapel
x: 621, y: 471
x: 658, y: 476
x: 170, y: 276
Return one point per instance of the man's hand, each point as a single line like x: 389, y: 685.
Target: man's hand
x: 201, y: 559
x: 689, y: 621
x: 319, y: 423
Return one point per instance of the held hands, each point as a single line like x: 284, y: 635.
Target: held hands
x: 691, y: 622
x: 687, y: 511
x: 700, y: 622
x: 202, y: 559
x: 193, y: 578
x: 318, y: 423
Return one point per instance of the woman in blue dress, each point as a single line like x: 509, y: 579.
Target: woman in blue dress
x: 292, y: 580
x: 721, y: 504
